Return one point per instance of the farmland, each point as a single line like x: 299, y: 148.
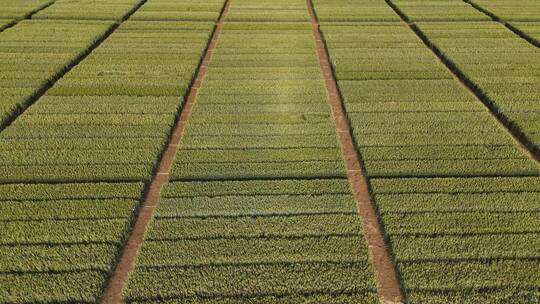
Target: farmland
x: 258, y: 151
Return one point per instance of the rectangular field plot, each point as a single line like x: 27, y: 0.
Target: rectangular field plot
x: 34, y: 52
x: 179, y: 10
x: 248, y: 125
x: 437, y: 10
x: 352, y: 11
x: 517, y: 10
x: 503, y: 65
x: 277, y: 241
x: 110, y: 116
x: 464, y: 240
x: 409, y: 116
x: 60, y: 241
x: 263, y: 10
x: 112, y: 10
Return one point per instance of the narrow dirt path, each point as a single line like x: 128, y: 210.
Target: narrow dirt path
x: 8, y: 120
x: 520, y: 138
x: 508, y: 25
x: 388, y: 284
x: 27, y: 15
x: 124, y: 266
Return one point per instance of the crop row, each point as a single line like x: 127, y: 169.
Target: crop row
x: 416, y: 120
x: 108, y: 102
x: 58, y: 234
x: 502, y: 65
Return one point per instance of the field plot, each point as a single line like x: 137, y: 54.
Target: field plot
x: 260, y: 113
x: 504, y: 67
x: 121, y: 100
x: 440, y: 10
x: 462, y: 240
x: 87, y: 10
x: 179, y: 10
x: 59, y: 242
x: 285, y: 241
x: 259, y: 210
x: 517, y: 10
x: 409, y: 116
x: 35, y: 52
x: 264, y: 10
x: 361, y: 10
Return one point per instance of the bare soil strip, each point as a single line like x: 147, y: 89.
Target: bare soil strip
x: 388, y: 284
x: 78, y: 59
x: 521, y: 139
x: 126, y: 262
x: 496, y: 18
x: 27, y: 16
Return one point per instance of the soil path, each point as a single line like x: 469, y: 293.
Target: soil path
x: 113, y: 292
x: 388, y: 284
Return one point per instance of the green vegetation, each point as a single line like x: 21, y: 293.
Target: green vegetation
x: 247, y: 225
x: 266, y: 11
x: 59, y: 241
x: 104, y: 122
x: 87, y: 10
x: 34, y: 52
x: 12, y: 10
x: 463, y: 239
x: 258, y: 207
x: 183, y: 10
x: 112, y: 102
x: 499, y: 62
x: 353, y: 11
x: 409, y: 117
x: 440, y: 10
x: 253, y: 240
x: 517, y: 10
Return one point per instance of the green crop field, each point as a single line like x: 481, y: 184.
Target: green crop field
x: 270, y: 151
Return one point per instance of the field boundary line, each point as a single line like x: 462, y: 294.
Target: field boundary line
x: 520, y: 138
x: 388, y: 283
x: 507, y: 24
x: 39, y: 92
x: 126, y: 262
x: 27, y: 16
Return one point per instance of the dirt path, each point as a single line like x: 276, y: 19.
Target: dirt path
x: 113, y: 291
x: 388, y: 285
